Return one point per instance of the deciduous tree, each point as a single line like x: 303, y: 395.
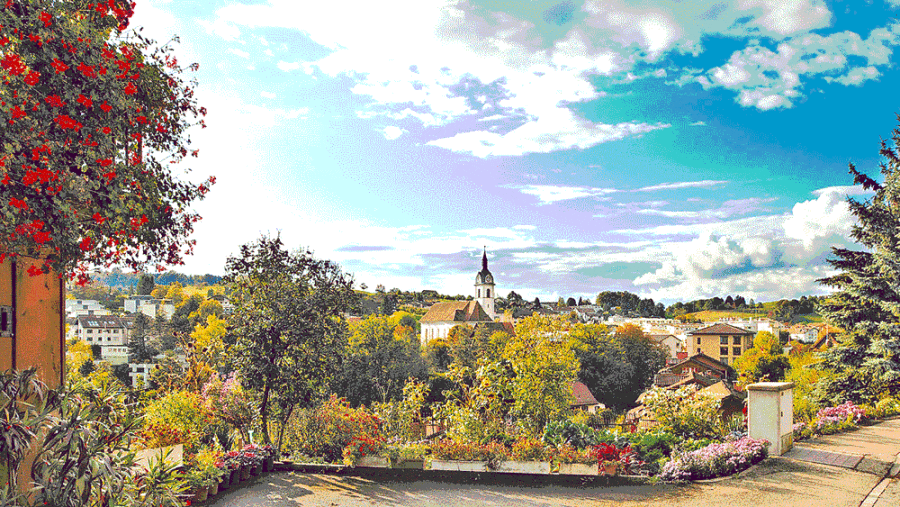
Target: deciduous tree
x: 287, y: 330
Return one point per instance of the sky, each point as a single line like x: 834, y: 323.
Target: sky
x: 676, y: 150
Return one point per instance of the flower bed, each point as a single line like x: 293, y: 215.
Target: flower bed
x: 831, y: 420
x: 715, y: 460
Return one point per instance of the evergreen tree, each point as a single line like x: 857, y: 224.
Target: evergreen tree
x: 867, y: 301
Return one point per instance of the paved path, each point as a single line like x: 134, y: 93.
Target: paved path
x: 826, y: 472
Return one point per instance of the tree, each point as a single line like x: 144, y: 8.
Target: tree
x: 616, y: 368
x: 145, y: 284
x: 865, y: 302
x: 765, y: 360
x: 561, y: 303
x: 544, y: 367
x: 91, y: 118
x: 138, y: 350
x: 287, y: 330
x: 381, y: 356
x: 571, y: 302
x: 537, y: 303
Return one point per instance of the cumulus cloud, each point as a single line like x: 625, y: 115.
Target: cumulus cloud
x: 391, y: 132
x: 288, y: 66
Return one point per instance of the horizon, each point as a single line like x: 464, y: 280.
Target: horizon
x: 677, y: 152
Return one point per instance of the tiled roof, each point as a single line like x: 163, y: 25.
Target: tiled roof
x: 99, y: 321
x: 582, y: 394
x: 721, y: 328
x: 702, y: 359
x: 456, y: 311
x: 506, y: 327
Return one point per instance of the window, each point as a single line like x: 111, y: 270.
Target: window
x: 723, y: 351
x: 737, y: 340
x: 89, y: 331
x: 723, y: 340
x: 737, y: 351
x: 6, y: 321
x: 698, y: 343
x: 724, y: 360
x: 479, y: 292
x: 489, y: 293
x: 698, y: 350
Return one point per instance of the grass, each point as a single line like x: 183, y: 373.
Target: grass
x: 711, y: 315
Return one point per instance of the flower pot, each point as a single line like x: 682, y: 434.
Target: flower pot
x: 245, y: 472
x: 256, y: 469
x: 234, y: 477
x: 201, y: 493
x: 610, y: 467
x: 214, y: 488
x: 579, y: 469
x: 269, y: 464
x: 524, y: 467
x: 408, y: 464
x: 373, y: 462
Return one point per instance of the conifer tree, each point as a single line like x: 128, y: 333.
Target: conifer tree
x: 866, y: 303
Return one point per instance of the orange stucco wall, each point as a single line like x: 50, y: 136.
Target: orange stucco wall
x: 39, y: 327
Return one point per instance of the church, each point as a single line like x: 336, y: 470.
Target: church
x: 441, y: 317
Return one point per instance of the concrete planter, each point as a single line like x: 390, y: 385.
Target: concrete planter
x: 409, y: 464
x: 373, y: 462
x: 457, y: 465
x: 579, y: 469
x: 524, y: 467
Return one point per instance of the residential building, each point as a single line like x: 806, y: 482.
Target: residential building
x: 104, y: 330
x: 720, y: 341
x: 669, y: 342
x: 441, y: 317
x: 76, y: 307
x: 584, y: 399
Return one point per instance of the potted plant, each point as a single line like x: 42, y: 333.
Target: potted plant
x: 268, y: 454
x: 234, y: 464
x: 573, y: 461
x: 608, y: 456
x: 363, y: 451
x: 196, y: 481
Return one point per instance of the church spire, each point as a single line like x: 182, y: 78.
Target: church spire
x: 484, y: 259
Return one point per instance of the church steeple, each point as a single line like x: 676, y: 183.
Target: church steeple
x: 484, y: 287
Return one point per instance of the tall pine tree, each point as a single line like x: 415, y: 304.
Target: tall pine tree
x: 866, y: 303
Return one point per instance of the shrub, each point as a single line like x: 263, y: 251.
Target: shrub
x: 684, y: 411
x: 654, y: 447
x: 493, y: 452
x: 887, y: 407
x: 715, y: 460
x: 183, y: 415
x: 529, y: 449
x: 331, y: 427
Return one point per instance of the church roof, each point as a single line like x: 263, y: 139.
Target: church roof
x: 456, y: 311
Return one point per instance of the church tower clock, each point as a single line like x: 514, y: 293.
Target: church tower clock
x: 484, y: 287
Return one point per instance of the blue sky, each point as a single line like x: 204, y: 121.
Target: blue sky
x: 677, y: 150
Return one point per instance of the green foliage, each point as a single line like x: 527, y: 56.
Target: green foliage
x: 684, y: 411
x: 867, y: 361
x: 477, y: 406
x: 545, y: 366
x: 287, y: 330
x: 764, y: 361
x: 616, y: 368
x: 327, y: 429
x: 180, y: 411
x: 402, y: 420
x: 381, y: 356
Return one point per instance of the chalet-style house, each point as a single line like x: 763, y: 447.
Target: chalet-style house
x: 723, y: 342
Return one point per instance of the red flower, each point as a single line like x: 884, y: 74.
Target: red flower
x: 86, y: 102
x: 59, y: 66
x: 67, y: 123
x: 55, y: 101
x: 12, y: 63
x: 32, y: 78
x: 86, y: 244
x: 42, y: 237
x: 105, y: 107
x: 46, y: 17
x: 109, y: 177
x: 104, y: 162
x: 87, y: 70
x: 130, y: 89
x: 17, y: 113
x: 35, y: 271
x: 106, y: 130
x: 18, y: 203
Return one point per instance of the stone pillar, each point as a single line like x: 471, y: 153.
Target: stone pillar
x: 771, y: 414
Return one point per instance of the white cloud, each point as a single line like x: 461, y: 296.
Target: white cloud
x: 682, y: 184
x: 699, y: 123
x: 856, y: 76
x: 267, y: 95
x: 391, y: 132
x: 549, y: 194
x: 238, y: 52
x: 288, y: 66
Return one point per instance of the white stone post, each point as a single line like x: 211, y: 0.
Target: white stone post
x: 771, y: 414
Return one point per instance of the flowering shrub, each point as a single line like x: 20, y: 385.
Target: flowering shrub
x: 330, y: 428
x: 715, y: 460
x: 229, y: 402
x: 493, y: 452
x: 887, y: 407
x: 684, y: 411
x: 831, y: 420
x: 569, y: 454
x: 529, y: 449
x: 177, y: 417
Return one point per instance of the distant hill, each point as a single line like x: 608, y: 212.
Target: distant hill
x: 125, y: 280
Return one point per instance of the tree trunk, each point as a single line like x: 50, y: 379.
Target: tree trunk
x: 264, y: 413
x: 284, y: 422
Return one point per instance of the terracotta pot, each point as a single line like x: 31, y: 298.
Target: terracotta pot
x: 610, y: 467
x: 201, y: 494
